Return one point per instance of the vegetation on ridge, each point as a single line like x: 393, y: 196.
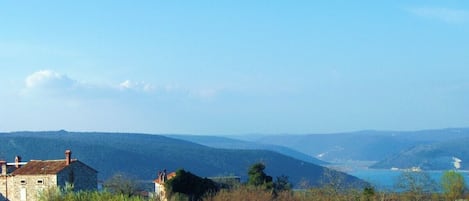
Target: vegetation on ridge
x: 413, y: 186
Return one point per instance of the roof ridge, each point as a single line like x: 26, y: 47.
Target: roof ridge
x: 52, y: 160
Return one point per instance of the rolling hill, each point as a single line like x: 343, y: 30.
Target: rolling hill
x: 142, y: 155
x: 435, y: 156
x: 228, y: 143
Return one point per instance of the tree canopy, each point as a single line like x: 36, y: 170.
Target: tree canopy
x: 416, y: 185
x: 257, y: 176
x: 453, y: 184
x: 193, y: 186
x: 122, y: 184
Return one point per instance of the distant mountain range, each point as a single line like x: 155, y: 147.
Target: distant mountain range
x: 142, y: 155
x: 363, y: 145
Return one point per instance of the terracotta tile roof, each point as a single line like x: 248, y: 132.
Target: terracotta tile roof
x: 35, y: 167
x: 169, y: 176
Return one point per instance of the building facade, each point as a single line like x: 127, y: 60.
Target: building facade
x: 26, y: 182
x: 160, y: 191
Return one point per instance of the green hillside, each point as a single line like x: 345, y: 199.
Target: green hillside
x: 142, y: 155
x: 228, y: 143
x: 436, y: 156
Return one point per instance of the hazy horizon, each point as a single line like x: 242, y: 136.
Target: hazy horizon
x: 234, y: 67
x: 234, y: 134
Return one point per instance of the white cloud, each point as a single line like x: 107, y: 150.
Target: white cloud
x: 137, y: 86
x: 443, y: 14
x: 126, y: 84
x: 48, y: 82
x: 48, y: 79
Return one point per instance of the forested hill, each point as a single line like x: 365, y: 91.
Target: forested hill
x: 229, y: 143
x: 142, y: 155
x: 435, y: 156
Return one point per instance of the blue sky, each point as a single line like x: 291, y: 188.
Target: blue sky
x: 233, y: 67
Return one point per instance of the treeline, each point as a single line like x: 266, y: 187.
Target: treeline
x: 185, y: 186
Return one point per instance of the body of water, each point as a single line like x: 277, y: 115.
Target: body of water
x: 386, y: 179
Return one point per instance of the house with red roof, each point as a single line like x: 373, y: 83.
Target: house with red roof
x: 163, y: 176
x: 24, y: 181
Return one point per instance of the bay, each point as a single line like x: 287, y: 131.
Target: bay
x: 385, y: 179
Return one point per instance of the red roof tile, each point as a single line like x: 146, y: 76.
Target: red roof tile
x: 35, y: 167
x: 169, y: 176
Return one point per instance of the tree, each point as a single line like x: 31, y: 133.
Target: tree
x: 121, y: 184
x: 282, y: 184
x: 452, y: 184
x: 333, y: 184
x: 258, y: 178
x: 416, y: 185
x: 368, y: 193
x: 193, y: 186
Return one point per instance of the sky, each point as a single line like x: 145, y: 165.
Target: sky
x: 233, y: 67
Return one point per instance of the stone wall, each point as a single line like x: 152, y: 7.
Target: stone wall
x: 30, y: 186
x: 3, y: 187
x: 80, y: 175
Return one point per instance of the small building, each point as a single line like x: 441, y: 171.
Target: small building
x: 25, y: 182
x: 160, y: 191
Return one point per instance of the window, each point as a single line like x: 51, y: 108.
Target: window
x: 23, y: 181
x: 40, y: 181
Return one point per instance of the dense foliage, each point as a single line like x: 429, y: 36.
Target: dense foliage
x: 453, y: 184
x: 193, y: 186
x: 258, y: 178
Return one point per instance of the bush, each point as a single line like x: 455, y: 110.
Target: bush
x: 56, y: 194
x: 192, y: 186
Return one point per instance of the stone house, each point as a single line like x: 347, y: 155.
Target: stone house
x: 24, y: 181
x: 160, y: 191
